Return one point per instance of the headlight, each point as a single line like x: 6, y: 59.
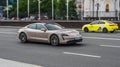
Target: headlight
x: 64, y: 34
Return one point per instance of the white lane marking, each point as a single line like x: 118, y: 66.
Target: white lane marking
x: 10, y: 63
x: 70, y: 53
x: 102, y: 38
x: 110, y: 46
x: 116, y: 35
x: 8, y: 33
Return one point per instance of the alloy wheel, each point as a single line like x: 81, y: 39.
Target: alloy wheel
x: 54, y: 40
x: 23, y: 37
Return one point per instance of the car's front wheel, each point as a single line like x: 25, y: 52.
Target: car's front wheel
x: 86, y: 29
x: 54, y: 40
x: 23, y: 37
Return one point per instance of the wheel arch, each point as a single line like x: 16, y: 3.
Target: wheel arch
x: 106, y: 29
x: 52, y: 35
x: 86, y: 28
x: 21, y: 33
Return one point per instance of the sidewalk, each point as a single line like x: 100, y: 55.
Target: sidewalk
x: 10, y: 63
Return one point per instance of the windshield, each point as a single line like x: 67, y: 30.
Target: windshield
x: 53, y: 27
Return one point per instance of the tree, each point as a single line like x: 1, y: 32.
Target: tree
x: 2, y: 3
x: 46, y: 8
x: 60, y: 9
x: 72, y: 10
x: 23, y: 8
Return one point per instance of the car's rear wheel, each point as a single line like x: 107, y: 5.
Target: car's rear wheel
x: 54, y: 40
x: 86, y: 29
x: 105, y: 30
x: 23, y: 37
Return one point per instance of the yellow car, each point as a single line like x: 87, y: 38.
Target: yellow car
x: 100, y: 26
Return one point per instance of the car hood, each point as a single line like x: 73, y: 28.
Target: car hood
x: 66, y: 31
x: 86, y: 24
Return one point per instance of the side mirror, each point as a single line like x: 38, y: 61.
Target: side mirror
x: 43, y: 29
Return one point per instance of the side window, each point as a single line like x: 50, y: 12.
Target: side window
x: 96, y: 22
x: 101, y: 22
x: 39, y: 26
x: 32, y: 26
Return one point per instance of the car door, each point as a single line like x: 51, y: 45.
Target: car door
x: 101, y: 25
x: 95, y: 26
x: 42, y: 34
x: 92, y: 25
x: 31, y: 31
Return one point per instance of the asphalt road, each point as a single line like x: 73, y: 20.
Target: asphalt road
x: 96, y: 50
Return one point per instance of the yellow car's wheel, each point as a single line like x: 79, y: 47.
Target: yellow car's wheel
x: 105, y: 30
x: 86, y: 29
x: 112, y: 31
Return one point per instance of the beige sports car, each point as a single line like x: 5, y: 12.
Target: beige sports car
x: 49, y: 33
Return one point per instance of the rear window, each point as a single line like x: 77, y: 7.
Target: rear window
x: 53, y: 27
x: 101, y: 22
x: 109, y: 22
x: 95, y: 22
x: 32, y: 26
x: 39, y: 26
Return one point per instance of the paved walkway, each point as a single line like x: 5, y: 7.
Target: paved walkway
x: 10, y: 63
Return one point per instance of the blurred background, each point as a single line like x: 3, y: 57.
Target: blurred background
x: 59, y: 9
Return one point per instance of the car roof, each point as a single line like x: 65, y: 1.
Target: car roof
x: 43, y: 23
x: 39, y: 23
x: 101, y: 20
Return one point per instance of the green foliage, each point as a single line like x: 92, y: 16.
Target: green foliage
x: 72, y: 10
x: 2, y: 3
x: 60, y: 9
x: 46, y: 8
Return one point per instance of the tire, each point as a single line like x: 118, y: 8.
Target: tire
x: 112, y: 31
x: 105, y: 30
x: 23, y: 37
x: 54, y: 40
x: 86, y: 29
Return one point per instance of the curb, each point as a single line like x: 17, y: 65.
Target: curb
x: 10, y: 27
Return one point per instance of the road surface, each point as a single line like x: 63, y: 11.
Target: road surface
x: 96, y: 50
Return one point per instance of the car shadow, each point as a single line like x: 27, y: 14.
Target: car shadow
x: 39, y: 44
x: 116, y: 32
x: 73, y: 45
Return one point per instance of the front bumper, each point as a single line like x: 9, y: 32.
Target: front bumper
x: 70, y: 40
x: 74, y: 41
